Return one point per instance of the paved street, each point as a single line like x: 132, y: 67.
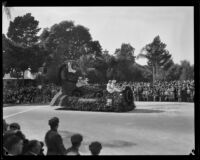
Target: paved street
x: 163, y: 128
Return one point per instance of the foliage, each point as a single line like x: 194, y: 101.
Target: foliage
x: 99, y: 104
x: 20, y: 49
x: 156, y: 55
x: 173, y: 73
x: 187, y: 71
x: 17, y: 59
x: 184, y: 71
x: 126, y: 52
x: 12, y: 57
x: 23, y: 30
x: 66, y: 41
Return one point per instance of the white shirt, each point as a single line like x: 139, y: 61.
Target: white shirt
x: 70, y: 68
x: 109, y: 88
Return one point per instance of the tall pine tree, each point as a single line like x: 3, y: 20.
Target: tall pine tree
x: 156, y: 54
x: 23, y: 30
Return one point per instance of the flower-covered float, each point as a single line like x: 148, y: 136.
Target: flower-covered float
x: 78, y: 94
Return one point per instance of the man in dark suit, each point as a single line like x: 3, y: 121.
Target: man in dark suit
x: 53, y: 139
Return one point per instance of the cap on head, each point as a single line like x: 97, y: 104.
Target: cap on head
x: 53, y: 121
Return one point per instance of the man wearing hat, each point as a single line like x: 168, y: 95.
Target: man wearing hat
x: 53, y: 139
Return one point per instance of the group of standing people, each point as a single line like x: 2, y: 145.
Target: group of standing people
x: 180, y: 91
x: 29, y: 94
x: 15, y: 142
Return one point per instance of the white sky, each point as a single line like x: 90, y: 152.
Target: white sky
x: 112, y: 26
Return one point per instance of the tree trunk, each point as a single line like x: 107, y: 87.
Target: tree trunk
x: 153, y: 74
x: 23, y: 77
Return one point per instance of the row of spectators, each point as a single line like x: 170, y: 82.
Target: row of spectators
x: 182, y: 91
x: 15, y: 142
x: 29, y: 94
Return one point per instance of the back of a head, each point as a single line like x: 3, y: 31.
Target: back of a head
x: 7, y: 135
x: 10, y: 141
x: 53, y: 122
x: 34, y: 146
x: 76, y: 139
x: 95, y: 148
x: 20, y: 135
x: 14, y: 126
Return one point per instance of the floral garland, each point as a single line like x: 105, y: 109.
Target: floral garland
x: 118, y: 103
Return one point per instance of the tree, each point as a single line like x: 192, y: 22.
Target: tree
x: 20, y: 49
x: 66, y: 41
x: 12, y: 57
x: 23, y: 30
x: 95, y: 48
x: 156, y: 54
x: 125, y: 58
x: 187, y: 71
x: 173, y: 73
x: 126, y: 52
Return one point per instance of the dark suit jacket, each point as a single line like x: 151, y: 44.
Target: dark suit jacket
x: 54, y: 143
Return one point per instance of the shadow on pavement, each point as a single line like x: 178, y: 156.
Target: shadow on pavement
x: 118, y: 143
x: 133, y: 111
x: 146, y: 111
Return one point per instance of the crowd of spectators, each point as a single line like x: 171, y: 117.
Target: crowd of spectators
x: 41, y: 94
x: 15, y: 142
x: 180, y: 91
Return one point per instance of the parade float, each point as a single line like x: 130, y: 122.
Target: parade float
x: 77, y: 94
